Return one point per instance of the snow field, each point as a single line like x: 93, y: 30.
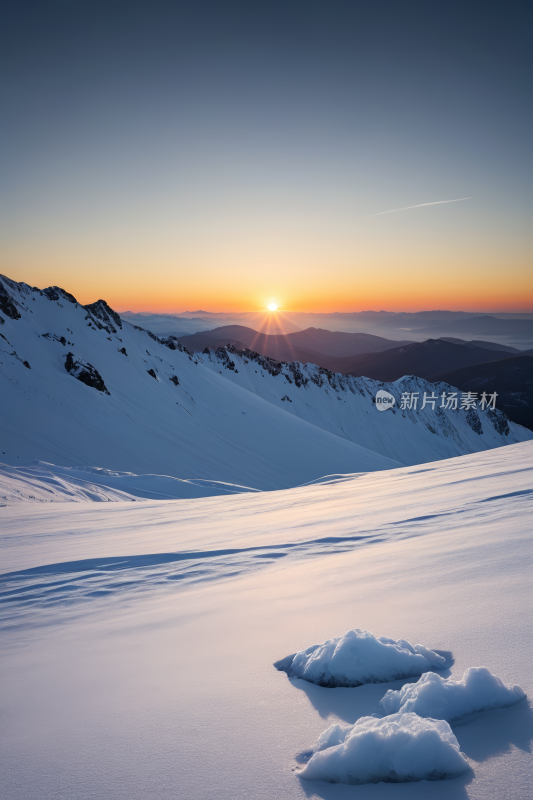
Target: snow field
x: 157, y: 686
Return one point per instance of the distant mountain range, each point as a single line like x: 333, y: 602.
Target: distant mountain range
x: 170, y: 323
x: 424, y: 359
x: 511, y: 378
x: 504, y: 348
x: 509, y: 329
x: 358, y: 354
x: 312, y: 346
x: 485, y: 325
x: 513, y: 330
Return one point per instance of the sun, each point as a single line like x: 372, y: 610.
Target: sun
x: 272, y: 307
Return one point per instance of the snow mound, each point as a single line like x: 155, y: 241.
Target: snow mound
x: 433, y: 696
x: 359, y: 657
x: 396, y: 749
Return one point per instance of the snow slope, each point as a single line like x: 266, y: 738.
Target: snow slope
x: 343, y: 404
x: 222, y: 417
x: 138, y: 638
x: 47, y: 483
x: 198, y: 426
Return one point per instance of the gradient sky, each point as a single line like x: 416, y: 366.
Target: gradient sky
x: 223, y: 155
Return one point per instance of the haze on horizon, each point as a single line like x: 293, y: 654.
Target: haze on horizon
x: 325, y: 157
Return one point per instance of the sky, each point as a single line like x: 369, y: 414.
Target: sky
x: 170, y: 156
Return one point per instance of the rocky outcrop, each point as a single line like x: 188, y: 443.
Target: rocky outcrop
x: 292, y: 372
x: 173, y: 344
x: 103, y: 316
x: 53, y: 337
x: 301, y: 375
x: 499, y: 420
x: 474, y: 421
x: 57, y: 294
x: 85, y: 372
x: 7, y: 306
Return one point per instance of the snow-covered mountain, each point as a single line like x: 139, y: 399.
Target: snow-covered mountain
x: 82, y: 387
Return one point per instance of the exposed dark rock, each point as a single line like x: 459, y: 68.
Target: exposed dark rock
x: 103, y: 316
x: 56, y: 293
x: 152, y: 373
x: 26, y: 364
x: 270, y: 365
x: 499, y: 420
x: 85, y: 372
x: 122, y: 350
x: 474, y: 422
x: 175, y: 380
x: 69, y: 362
x: 7, y: 306
x: 222, y: 355
x: 53, y: 337
x: 322, y: 373
x: 173, y: 344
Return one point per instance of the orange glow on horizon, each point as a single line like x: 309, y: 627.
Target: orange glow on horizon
x: 311, y: 288
x: 404, y: 301
x: 407, y: 299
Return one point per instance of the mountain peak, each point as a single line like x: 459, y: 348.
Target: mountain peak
x: 103, y: 312
x: 56, y: 293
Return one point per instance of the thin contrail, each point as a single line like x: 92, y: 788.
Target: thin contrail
x: 419, y: 205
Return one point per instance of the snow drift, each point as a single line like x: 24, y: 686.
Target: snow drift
x: 396, y: 749
x: 359, y: 657
x: 434, y: 696
x: 41, y: 482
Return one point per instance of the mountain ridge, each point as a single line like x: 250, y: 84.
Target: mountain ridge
x: 228, y: 416
x: 511, y: 378
x: 388, y: 362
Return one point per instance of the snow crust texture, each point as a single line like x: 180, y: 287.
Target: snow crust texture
x: 400, y: 748
x: 434, y: 696
x: 359, y: 657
